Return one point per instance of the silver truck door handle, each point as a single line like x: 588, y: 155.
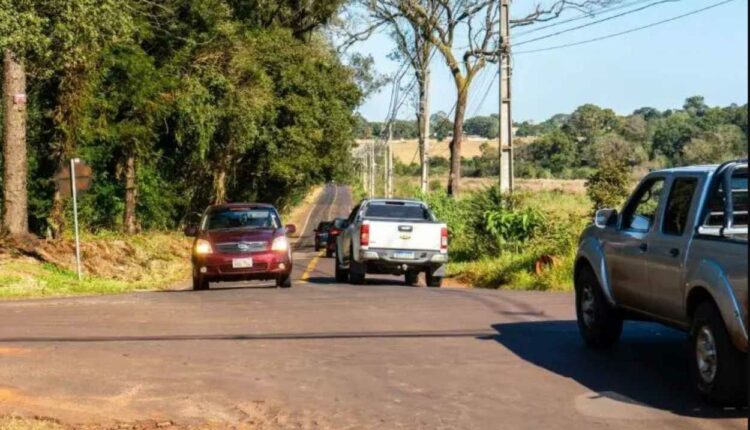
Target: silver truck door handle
x: 643, y: 247
x: 674, y: 252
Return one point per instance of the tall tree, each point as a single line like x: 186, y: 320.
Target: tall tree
x: 476, y: 23
x: 15, y: 198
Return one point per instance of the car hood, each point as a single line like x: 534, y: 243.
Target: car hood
x: 223, y: 236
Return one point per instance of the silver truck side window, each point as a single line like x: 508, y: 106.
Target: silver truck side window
x: 678, y: 206
x: 640, y: 213
x: 715, y: 213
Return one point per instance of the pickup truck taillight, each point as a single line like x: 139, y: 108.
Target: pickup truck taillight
x: 444, y: 239
x: 364, y: 235
x: 334, y: 232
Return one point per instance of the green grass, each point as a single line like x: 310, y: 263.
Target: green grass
x: 566, y: 215
x: 30, y: 279
x: 113, y: 263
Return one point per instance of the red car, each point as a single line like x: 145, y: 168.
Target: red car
x: 239, y: 242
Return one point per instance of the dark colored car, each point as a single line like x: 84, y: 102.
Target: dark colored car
x: 241, y: 242
x: 333, y: 231
x: 321, y: 234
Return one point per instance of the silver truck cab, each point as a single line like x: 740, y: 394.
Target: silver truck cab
x: 676, y: 254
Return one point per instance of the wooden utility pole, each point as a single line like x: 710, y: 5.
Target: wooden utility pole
x: 15, y: 197
x: 506, y: 121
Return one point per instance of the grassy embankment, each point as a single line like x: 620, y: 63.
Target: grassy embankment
x: 541, y: 222
x: 112, y: 262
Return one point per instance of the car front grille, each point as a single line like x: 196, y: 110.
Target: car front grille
x: 241, y: 247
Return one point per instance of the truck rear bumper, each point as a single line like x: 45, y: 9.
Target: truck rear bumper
x: 388, y: 261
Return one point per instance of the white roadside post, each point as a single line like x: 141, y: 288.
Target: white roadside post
x: 73, y: 163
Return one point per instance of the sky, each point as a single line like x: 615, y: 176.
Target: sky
x: 703, y: 54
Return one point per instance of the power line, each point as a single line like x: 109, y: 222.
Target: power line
x: 585, y: 15
x: 588, y: 24
x: 632, y: 30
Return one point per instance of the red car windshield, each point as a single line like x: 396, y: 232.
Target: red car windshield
x: 241, y: 219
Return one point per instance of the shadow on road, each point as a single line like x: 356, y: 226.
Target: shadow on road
x: 370, y: 282
x: 261, y: 336
x: 648, y: 367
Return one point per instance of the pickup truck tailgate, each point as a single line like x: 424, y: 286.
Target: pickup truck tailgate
x: 418, y: 236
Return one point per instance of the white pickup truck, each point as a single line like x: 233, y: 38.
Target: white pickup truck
x: 397, y: 237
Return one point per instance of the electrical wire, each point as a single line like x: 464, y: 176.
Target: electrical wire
x: 589, y: 24
x: 632, y: 30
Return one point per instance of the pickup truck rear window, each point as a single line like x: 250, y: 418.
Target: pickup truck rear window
x: 397, y: 211
x: 678, y: 205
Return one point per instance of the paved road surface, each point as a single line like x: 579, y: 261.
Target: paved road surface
x: 322, y: 355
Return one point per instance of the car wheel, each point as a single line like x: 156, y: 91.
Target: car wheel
x: 599, y: 322
x: 199, y: 283
x: 356, y: 278
x: 719, y: 369
x: 411, y: 278
x: 284, y: 281
x: 342, y: 275
x: 433, y: 281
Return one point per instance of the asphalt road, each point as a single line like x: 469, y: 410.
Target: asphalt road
x: 323, y: 355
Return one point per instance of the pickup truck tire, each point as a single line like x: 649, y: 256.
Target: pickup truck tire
x: 432, y: 280
x: 284, y: 281
x: 356, y: 278
x: 599, y: 322
x: 411, y: 278
x: 199, y: 283
x: 342, y: 275
x: 719, y: 369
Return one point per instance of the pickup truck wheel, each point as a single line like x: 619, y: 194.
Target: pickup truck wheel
x: 433, y: 281
x: 356, y: 278
x: 342, y: 275
x: 600, y: 324
x: 284, y: 281
x: 411, y: 278
x: 719, y: 369
x: 199, y: 284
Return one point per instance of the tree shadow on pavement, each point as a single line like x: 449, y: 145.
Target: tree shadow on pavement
x: 370, y: 282
x: 649, y: 366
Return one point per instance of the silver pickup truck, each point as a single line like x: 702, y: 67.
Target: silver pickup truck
x: 676, y: 254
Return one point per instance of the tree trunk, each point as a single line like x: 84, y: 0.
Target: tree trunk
x: 423, y: 121
x: 130, y: 220
x: 454, y: 180
x: 15, y: 166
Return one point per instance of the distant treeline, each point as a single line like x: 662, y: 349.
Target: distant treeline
x: 441, y: 127
x: 571, y: 146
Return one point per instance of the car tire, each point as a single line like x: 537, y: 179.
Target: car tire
x: 718, y: 368
x: 329, y: 253
x: 411, y: 278
x: 284, y: 281
x: 356, y: 278
x: 599, y: 323
x: 199, y: 283
x: 432, y: 280
x: 342, y: 275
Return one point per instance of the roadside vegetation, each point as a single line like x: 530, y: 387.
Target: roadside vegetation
x: 112, y: 263
x: 522, y: 241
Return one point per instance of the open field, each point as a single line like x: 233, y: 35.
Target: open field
x: 406, y: 150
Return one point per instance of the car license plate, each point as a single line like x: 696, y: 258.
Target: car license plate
x: 242, y: 263
x: 403, y: 255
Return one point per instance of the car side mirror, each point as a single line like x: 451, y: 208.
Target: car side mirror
x: 605, y: 218
x: 291, y: 228
x: 191, y: 231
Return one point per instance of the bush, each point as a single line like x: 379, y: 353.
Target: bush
x: 608, y: 186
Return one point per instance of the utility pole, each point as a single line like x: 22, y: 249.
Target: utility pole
x: 389, y: 162
x: 424, y: 101
x: 505, y: 119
